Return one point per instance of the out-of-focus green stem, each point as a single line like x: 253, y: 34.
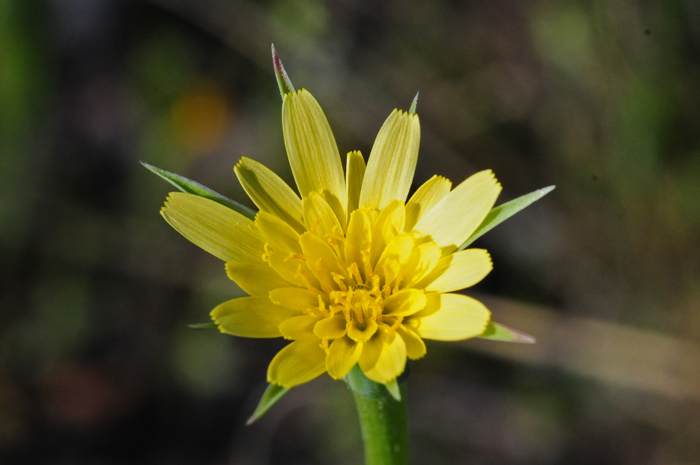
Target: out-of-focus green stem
x: 383, y: 420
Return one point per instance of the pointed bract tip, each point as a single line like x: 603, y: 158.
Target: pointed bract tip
x: 539, y: 193
x: 394, y: 391
x: 499, y: 332
x: 523, y: 338
x: 211, y: 325
x: 283, y: 81
x: 414, y: 104
x: 518, y: 336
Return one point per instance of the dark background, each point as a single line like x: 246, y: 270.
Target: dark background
x: 601, y: 98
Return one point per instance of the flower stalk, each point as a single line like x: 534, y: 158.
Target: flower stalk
x: 383, y: 420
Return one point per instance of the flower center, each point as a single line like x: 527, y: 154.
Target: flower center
x: 359, y: 305
x: 362, y: 309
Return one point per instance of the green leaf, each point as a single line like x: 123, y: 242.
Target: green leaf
x: 210, y: 325
x: 272, y: 394
x: 193, y: 187
x: 501, y: 213
x: 499, y: 332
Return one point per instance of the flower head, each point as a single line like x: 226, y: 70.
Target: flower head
x: 352, y: 271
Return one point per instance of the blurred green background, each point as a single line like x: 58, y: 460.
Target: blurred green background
x: 601, y: 98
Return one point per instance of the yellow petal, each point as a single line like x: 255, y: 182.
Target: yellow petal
x: 425, y: 198
x: 457, y: 216
x: 404, y: 303
x: 299, y: 327
x: 255, y: 279
x: 279, y: 234
x: 319, y: 217
x: 295, y: 298
x: 219, y: 230
x: 298, y: 363
x: 269, y: 192
x: 292, y: 269
x: 251, y: 317
x: 458, y: 317
x: 385, y: 331
x: 322, y: 260
x: 358, y: 240
x: 342, y: 356
x: 394, y: 256
x: 355, y: 173
x: 371, y: 350
x: 458, y: 271
x: 390, y: 364
x: 415, y: 347
x: 424, y: 258
x: 337, y: 207
x: 392, y: 161
x: 432, y: 305
x: 331, y: 327
x: 311, y: 148
x: 389, y: 223
x: 362, y: 332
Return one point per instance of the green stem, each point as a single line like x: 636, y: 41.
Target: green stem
x: 383, y: 420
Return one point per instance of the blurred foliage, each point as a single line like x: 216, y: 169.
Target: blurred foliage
x: 600, y: 98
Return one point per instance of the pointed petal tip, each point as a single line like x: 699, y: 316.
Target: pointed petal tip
x: 414, y: 104
x: 283, y: 81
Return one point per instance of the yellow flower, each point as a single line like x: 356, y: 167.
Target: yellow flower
x: 352, y: 272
